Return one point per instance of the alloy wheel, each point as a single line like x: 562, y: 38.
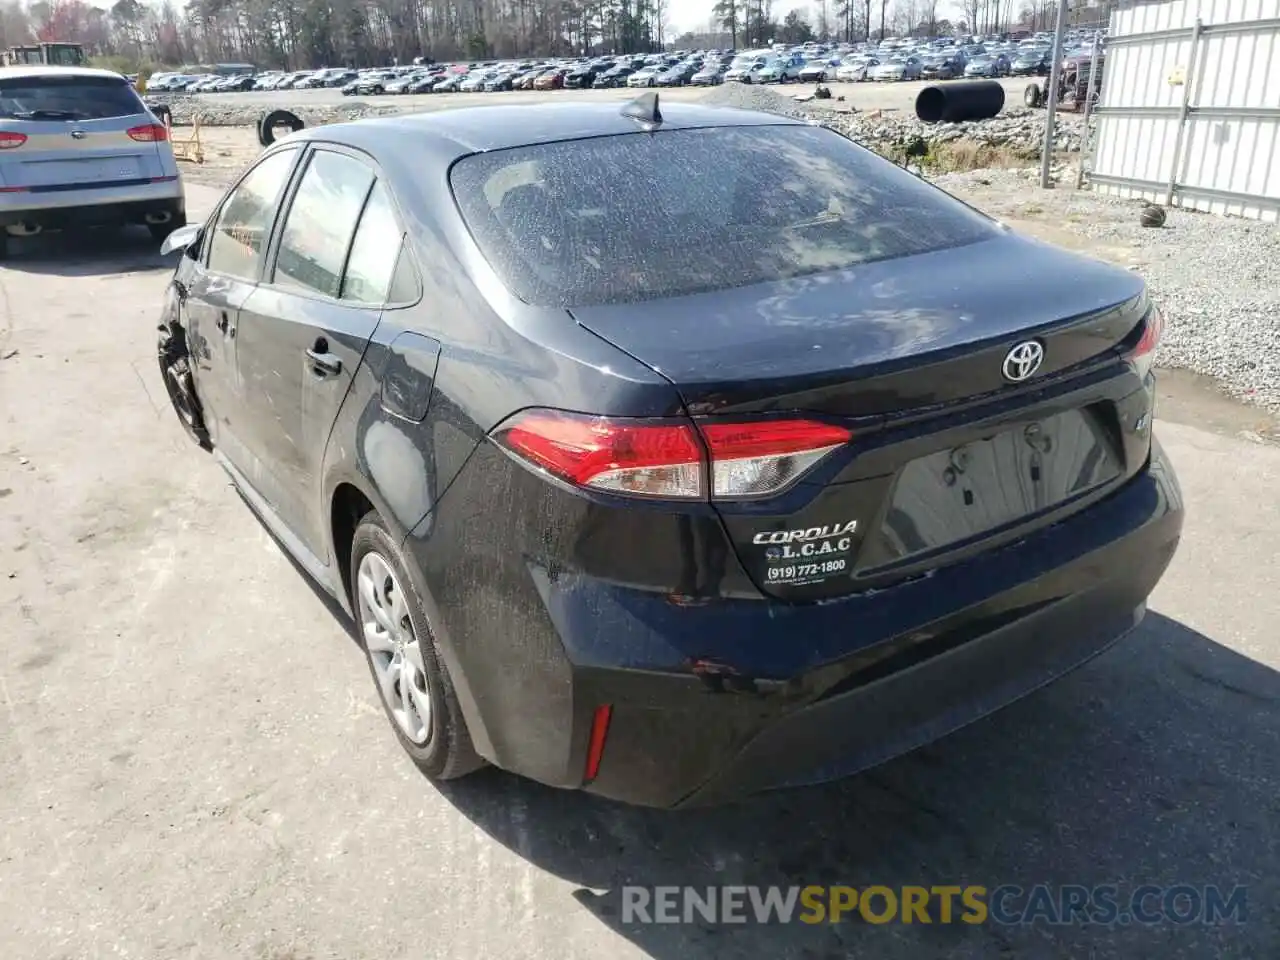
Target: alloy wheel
x: 394, y: 649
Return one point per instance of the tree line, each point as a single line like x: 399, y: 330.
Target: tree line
x: 297, y: 34
x: 751, y: 23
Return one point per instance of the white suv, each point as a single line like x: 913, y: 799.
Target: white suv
x: 79, y: 148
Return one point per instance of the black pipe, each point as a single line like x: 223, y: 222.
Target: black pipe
x: 980, y: 100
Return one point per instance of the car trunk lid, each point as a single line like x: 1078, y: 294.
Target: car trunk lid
x: 74, y: 132
x: 947, y: 454
x: 59, y: 155
x: 888, y: 337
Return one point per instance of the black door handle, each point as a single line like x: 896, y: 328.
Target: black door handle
x: 223, y: 321
x: 324, y: 364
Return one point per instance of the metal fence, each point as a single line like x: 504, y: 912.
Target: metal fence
x: 1190, y: 110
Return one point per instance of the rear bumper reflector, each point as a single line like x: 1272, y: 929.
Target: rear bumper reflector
x: 595, y: 747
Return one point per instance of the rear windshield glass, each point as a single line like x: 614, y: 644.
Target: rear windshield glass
x: 637, y: 217
x: 67, y: 98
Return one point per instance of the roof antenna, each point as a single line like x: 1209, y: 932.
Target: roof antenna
x: 645, y: 109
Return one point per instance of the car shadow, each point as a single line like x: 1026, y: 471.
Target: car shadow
x: 1157, y: 763
x: 94, y: 252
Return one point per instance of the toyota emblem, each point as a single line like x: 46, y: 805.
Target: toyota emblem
x: 77, y: 134
x: 1023, y: 360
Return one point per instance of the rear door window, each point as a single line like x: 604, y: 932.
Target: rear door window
x: 375, y: 252
x: 637, y: 217
x: 320, y: 223
x: 73, y: 97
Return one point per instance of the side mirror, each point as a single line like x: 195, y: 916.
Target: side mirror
x: 184, y: 238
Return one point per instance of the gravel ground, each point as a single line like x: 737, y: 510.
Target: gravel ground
x: 1016, y: 127
x: 232, y: 114
x: 1217, y: 279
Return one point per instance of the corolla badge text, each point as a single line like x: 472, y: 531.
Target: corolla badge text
x: 808, y: 541
x: 806, y: 534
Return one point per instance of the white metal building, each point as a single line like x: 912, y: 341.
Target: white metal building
x: 1190, y: 110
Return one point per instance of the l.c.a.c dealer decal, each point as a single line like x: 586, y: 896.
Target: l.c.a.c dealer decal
x: 807, y: 555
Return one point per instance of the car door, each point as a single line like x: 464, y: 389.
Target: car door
x: 232, y: 253
x: 299, y: 340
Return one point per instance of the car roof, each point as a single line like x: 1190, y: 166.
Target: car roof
x: 43, y: 70
x: 480, y: 129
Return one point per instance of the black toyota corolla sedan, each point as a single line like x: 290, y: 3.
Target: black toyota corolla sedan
x: 672, y: 454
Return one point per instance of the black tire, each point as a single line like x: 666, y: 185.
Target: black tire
x: 448, y: 752
x: 175, y: 371
x: 1031, y: 96
x: 163, y: 114
x: 277, y: 118
x: 4, y: 245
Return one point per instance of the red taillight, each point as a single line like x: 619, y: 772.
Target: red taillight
x: 639, y: 458
x: 1143, y: 355
x: 666, y: 458
x: 10, y: 140
x: 755, y: 459
x: 149, y: 133
x: 595, y: 747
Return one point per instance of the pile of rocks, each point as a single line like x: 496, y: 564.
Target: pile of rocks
x: 1016, y: 128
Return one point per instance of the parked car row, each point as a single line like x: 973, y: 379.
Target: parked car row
x: 265, y: 80
x: 950, y: 58
x: 652, y: 70
x: 939, y: 58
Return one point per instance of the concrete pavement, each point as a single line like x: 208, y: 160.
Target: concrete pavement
x: 193, y: 761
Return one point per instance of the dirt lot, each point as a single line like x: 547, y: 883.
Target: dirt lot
x: 193, y: 762
x: 865, y: 96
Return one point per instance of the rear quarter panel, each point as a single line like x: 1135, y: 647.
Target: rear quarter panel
x: 496, y: 357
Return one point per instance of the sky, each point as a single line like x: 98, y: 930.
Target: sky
x: 689, y: 15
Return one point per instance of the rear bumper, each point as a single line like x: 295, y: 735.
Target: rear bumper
x: 714, y: 702
x: 76, y: 208
x: 853, y: 731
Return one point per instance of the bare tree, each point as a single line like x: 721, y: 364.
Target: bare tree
x: 906, y: 17
x: 730, y: 17
x: 928, y: 13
